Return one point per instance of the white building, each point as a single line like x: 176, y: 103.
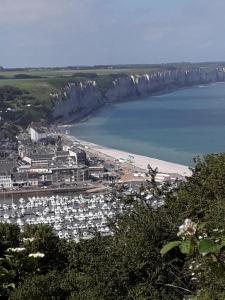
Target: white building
x: 37, y: 132
x: 5, y: 181
x: 6, y: 169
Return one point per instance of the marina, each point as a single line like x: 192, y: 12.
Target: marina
x: 71, y: 216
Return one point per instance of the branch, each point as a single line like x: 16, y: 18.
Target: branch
x: 176, y: 287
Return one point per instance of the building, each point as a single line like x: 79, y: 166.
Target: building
x: 52, y: 169
x: 79, y: 154
x: 6, y: 169
x: 65, y: 175
x: 37, y: 131
x: 5, y: 181
x: 20, y: 179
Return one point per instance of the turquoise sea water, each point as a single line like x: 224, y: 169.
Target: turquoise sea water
x: 173, y: 127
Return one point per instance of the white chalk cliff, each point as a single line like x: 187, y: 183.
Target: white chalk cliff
x: 78, y: 99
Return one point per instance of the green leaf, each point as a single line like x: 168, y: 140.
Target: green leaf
x: 201, y: 225
x: 222, y: 243
x: 169, y: 247
x: 12, y: 285
x: 221, y: 246
x: 208, y: 246
x: 3, y: 271
x: 186, y: 247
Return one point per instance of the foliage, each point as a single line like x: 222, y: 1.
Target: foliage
x: 204, y: 192
x: 9, y: 237
x: 20, y: 106
x: 129, y: 265
x: 53, y: 285
x: 9, y: 93
x: 45, y: 241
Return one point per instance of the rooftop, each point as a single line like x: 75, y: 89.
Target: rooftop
x: 7, y: 166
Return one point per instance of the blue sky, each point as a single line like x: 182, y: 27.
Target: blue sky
x: 88, y: 32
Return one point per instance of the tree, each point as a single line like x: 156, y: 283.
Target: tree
x: 44, y: 240
x: 201, y: 199
x: 43, y: 287
x: 9, y: 237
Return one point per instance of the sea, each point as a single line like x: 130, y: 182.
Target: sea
x: 174, y: 127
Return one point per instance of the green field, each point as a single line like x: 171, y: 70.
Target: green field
x: 40, y: 89
x: 50, y: 80
x: 63, y: 73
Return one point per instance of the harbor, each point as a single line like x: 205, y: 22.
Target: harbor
x: 71, y: 216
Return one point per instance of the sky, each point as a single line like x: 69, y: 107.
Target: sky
x: 35, y: 33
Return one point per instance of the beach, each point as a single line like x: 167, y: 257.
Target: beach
x: 139, y: 161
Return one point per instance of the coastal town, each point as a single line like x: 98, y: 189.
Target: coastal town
x: 47, y: 158
x: 49, y: 177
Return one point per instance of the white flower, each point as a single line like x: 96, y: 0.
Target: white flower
x: 216, y: 229
x: 188, y: 228
x: 35, y: 255
x: 28, y: 239
x: 200, y: 237
x: 16, y: 249
x: 182, y: 230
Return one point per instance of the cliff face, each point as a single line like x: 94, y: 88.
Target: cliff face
x: 77, y: 100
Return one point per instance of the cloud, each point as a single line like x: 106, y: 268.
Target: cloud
x: 63, y: 32
x: 32, y: 11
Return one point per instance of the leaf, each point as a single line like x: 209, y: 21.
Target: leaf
x: 208, y: 246
x: 12, y: 285
x: 186, y: 247
x: 221, y: 246
x: 3, y: 271
x: 222, y: 243
x: 169, y: 247
x: 201, y: 225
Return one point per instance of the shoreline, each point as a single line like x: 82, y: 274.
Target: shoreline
x: 82, y: 118
x: 139, y: 161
